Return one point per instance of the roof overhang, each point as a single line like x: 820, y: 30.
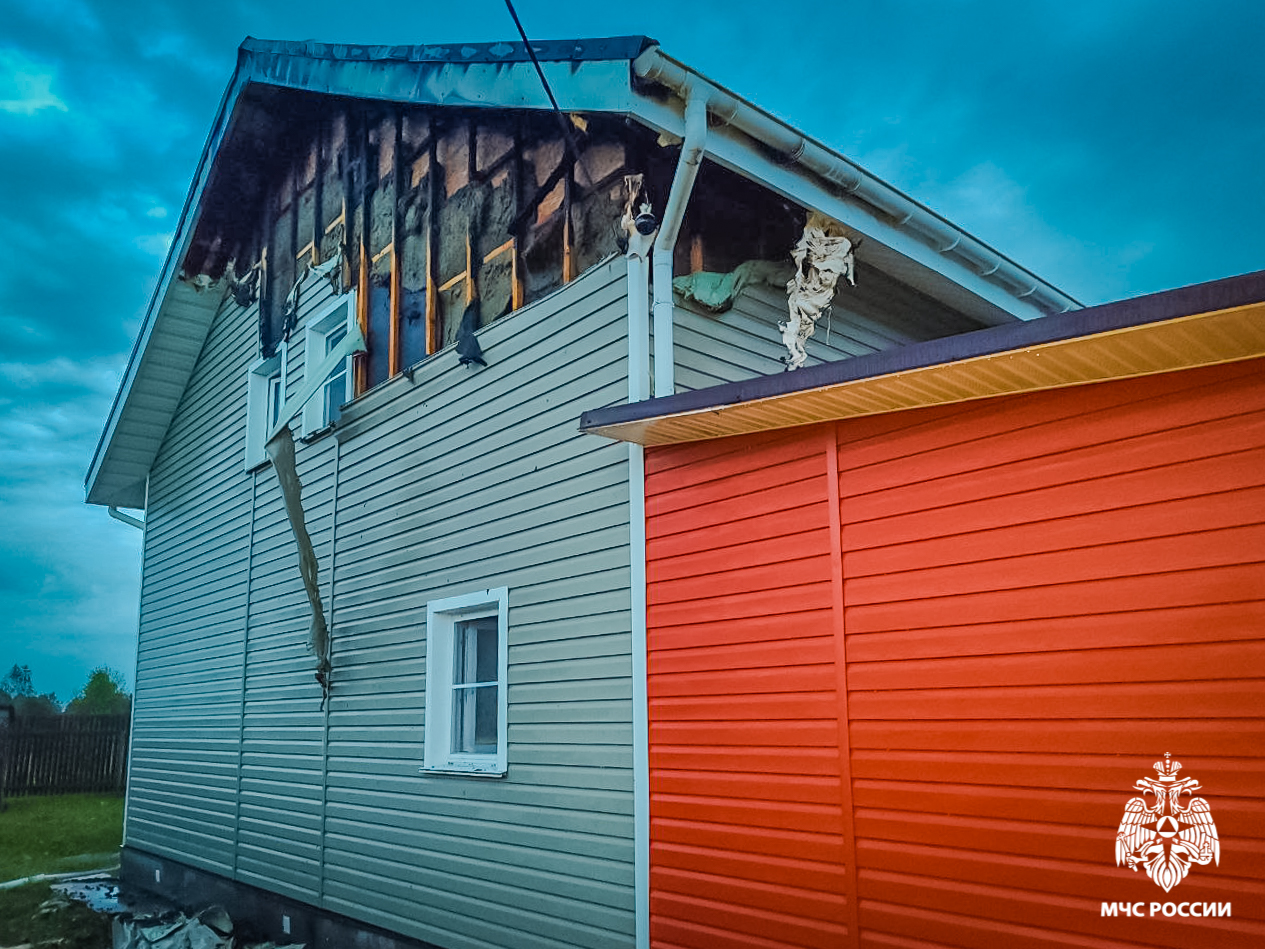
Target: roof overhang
x: 901, y: 236
x: 586, y: 75
x: 1202, y: 325
x: 624, y: 75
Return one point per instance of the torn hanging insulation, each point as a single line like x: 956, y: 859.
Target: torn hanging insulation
x: 822, y: 255
x: 716, y: 292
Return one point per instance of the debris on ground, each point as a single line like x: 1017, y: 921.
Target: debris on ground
x: 141, y: 921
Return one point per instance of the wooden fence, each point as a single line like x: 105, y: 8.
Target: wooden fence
x: 63, y: 754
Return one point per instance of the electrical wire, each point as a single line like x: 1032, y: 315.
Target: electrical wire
x: 563, y: 122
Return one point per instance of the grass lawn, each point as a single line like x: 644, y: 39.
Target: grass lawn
x: 58, y: 834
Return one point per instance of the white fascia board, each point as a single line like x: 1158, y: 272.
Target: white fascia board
x: 175, y: 254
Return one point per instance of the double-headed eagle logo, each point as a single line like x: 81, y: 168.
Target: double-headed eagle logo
x: 1167, y: 838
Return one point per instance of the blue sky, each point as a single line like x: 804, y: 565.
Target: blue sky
x: 1111, y: 147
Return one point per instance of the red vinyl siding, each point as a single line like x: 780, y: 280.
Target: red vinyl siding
x: 1041, y: 596
x: 747, y: 819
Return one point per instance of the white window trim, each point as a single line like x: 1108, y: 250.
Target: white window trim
x: 318, y: 327
x: 258, y: 418
x: 441, y: 618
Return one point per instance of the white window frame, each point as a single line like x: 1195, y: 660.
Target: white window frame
x: 442, y: 617
x: 265, y: 379
x: 320, y: 325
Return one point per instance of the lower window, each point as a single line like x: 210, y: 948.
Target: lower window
x: 466, y: 661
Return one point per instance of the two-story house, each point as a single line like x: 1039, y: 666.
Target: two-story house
x: 407, y: 694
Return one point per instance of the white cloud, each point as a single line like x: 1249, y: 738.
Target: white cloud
x: 26, y: 86
x: 155, y: 244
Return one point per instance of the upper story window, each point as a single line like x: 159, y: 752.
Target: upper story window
x: 466, y: 665
x: 326, y: 331
x: 265, y: 394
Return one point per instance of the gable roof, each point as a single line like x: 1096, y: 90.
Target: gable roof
x: 1201, y: 325
x: 622, y: 75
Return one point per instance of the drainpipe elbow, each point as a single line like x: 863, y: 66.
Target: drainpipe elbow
x: 118, y: 515
x: 665, y: 246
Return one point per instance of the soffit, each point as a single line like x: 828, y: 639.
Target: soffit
x: 158, y: 382
x: 900, y: 383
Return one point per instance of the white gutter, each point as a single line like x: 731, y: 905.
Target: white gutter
x: 136, y: 667
x: 665, y: 247
x: 902, y: 212
x: 118, y: 515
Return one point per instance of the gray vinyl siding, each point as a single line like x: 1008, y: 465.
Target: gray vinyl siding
x: 454, y: 480
x: 186, y: 730
x: 745, y: 341
x: 460, y: 479
x: 283, y: 725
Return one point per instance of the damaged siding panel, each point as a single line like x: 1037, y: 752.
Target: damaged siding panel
x: 465, y: 480
x: 184, y: 755
x: 283, y: 740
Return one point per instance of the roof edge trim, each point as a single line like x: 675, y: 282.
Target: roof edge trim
x: 621, y: 421
x: 175, y: 254
x: 905, y: 213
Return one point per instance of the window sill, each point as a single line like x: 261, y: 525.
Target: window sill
x: 460, y: 772
x: 317, y: 434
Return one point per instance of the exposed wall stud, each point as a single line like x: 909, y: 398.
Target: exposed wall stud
x: 469, y: 266
x: 568, y: 238
x: 362, y: 281
x: 516, y: 286
x: 433, y: 333
x: 318, y: 188
x: 393, y: 361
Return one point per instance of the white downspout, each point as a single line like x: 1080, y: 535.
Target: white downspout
x: 638, y: 322
x: 639, y: 245
x: 665, y: 246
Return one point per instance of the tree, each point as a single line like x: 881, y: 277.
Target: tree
x: 102, y: 694
x: 17, y: 690
x: 17, y: 684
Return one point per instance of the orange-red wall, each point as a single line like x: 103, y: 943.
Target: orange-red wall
x: 904, y: 671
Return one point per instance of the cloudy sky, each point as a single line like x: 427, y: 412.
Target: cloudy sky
x: 1111, y: 146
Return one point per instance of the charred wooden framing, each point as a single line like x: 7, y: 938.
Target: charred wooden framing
x: 437, y: 209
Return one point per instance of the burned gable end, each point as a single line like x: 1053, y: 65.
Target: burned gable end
x: 432, y: 210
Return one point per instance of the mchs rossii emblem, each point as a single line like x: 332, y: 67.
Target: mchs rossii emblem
x: 1166, y: 838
